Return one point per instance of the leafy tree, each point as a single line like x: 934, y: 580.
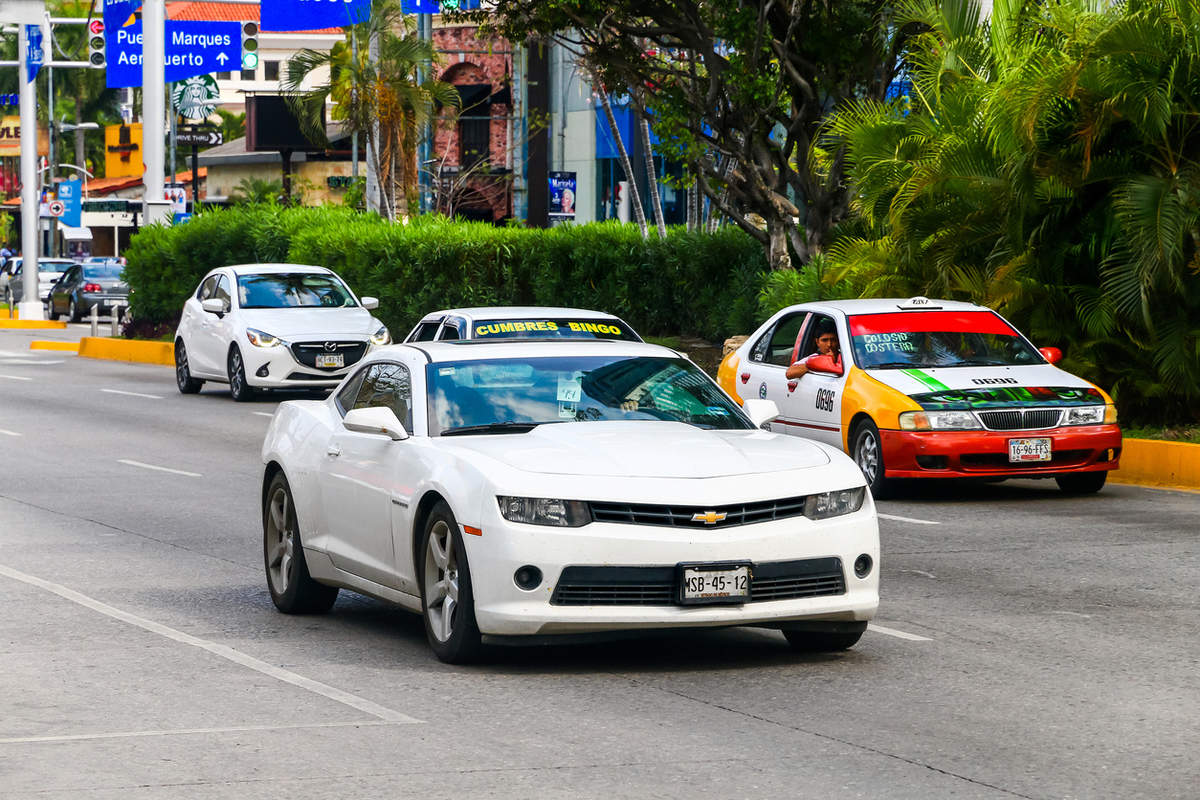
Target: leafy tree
x: 253, y: 191
x: 233, y: 126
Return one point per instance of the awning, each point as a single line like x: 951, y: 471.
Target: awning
x: 75, y: 234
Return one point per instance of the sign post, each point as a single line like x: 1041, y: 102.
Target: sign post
x: 30, y: 306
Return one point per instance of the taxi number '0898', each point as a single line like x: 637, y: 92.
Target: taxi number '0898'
x: 825, y: 399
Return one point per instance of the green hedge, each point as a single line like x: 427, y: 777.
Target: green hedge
x: 689, y: 283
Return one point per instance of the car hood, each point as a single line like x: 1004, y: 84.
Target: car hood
x: 288, y: 323
x: 647, y: 449
x: 1033, y: 385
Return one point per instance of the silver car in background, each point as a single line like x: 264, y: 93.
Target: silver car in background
x: 86, y: 286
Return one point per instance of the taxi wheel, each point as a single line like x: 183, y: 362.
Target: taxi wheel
x: 868, y: 454
x: 820, y: 641
x: 292, y: 589
x: 1082, y: 482
x: 446, y: 598
x: 183, y: 374
x: 239, y: 390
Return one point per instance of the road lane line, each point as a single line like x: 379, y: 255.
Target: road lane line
x: 15, y: 378
x: 133, y: 394
x: 894, y: 518
x: 86, y: 737
x: 912, y: 637
x: 160, y: 469
x: 221, y: 650
x: 27, y: 362
x: 8, y: 433
x: 263, y: 413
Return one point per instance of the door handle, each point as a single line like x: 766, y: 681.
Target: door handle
x: 333, y: 450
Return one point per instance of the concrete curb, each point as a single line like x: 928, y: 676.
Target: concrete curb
x: 7, y: 324
x: 127, y: 350
x: 1151, y: 462
x: 65, y: 347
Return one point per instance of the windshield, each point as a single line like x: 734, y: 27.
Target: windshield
x: 293, y: 290
x: 554, y: 328
x: 102, y: 270
x: 929, y: 339
x: 575, y: 389
x: 54, y: 266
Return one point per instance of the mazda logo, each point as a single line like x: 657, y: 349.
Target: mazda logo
x: 330, y: 347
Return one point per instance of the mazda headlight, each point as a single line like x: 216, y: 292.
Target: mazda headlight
x: 544, y: 511
x: 938, y: 421
x: 381, y: 337
x: 262, y: 338
x: 1089, y: 415
x: 834, y: 504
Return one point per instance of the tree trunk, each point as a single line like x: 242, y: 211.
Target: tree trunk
x: 652, y: 179
x: 777, y: 243
x: 635, y: 197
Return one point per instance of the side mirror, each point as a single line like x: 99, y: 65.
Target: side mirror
x: 379, y: 420
x: 1051, y: 354
x: 369, y: 303
x: 760, y: 411
x: 213, y: 306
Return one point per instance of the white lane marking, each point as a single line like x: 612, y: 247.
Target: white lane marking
x: 133, y: 394
x: 8, y: 433
x: 920, y: 572
x: 160, y: 469
x: 1072, y: 614
x: 27, y: 362
x: 263, y: 413
x: 15, y: 378
x: 912, y: 637
x: 894, y: 518
x: 221, y: 650
x: 83, y: 737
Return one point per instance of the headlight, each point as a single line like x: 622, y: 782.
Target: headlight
x: 544, y: 511
x: 381, y: 336
x: 834, y: 504
x: 938, y: 421
x: 1089, y: 415
x: 262, y: 339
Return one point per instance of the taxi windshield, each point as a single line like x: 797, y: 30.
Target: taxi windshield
x: 293, y: 290
x: 515, y: 395
x: 554, y: 328
x: 928, y: 339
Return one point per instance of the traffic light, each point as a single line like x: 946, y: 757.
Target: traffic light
x: 249, y: 45
x: 96, y: 44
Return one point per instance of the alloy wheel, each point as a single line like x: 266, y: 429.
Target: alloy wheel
x: 281, y: 540
x: 867, y: 455
x: 441, y: 581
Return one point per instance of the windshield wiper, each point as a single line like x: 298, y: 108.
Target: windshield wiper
x: 895, y: 365
x: 492, y: 427
x: 968, y: 362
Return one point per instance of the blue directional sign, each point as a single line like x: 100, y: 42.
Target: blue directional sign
x: 118, y: 12
x: 34, y: 55
x: 313, y: 15
x: 193, y: 48
x: 69, y: 195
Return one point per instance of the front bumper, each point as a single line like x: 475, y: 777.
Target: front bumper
x: 277, y: 368
x: 501, y: 608
x: 962, y: 454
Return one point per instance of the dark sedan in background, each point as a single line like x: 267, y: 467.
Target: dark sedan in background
x: 84, y: 286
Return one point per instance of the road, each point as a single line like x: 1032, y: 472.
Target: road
x: 1028, y: 645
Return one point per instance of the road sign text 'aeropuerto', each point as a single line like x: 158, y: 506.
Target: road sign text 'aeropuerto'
x: 193, y: 48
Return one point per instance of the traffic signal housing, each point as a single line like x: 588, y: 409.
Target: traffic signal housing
x: 96, y: 55
x: 249, y: 45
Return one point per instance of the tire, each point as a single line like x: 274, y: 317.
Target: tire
x: 1082, y: 482
x: 293, y: 591
x: 239, y: 389
x: 447, y: 603
x: 73, y: 311
x: 820, y: 641
x: 867, y: 450
x: 183, y: 373
x: 52, y: 314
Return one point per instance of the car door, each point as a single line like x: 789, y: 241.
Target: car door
x: 815, y: 404
x: 367, y: 481
x: 191, y: 322
x: 60, y: 294
x: 214, y: 331
x: 762, y: 376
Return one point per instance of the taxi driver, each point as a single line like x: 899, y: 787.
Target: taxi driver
x: 827, y: 359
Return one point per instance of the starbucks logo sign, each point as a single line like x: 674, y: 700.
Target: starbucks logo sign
x: 196, y: 98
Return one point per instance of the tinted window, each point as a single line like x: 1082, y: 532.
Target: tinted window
x: 293, y: 290
x: 390, y: 386
x: 346, y: 397
x: 449, y: 332
x: 424, y: 332
x: 222, y: 291
x: 776, y: 345
x: 103, y: 270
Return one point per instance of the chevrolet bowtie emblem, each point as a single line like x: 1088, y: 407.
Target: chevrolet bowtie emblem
x: 709, y: 517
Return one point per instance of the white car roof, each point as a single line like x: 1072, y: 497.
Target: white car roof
x: 884, y: 305
x: 517, y: 312
x: 475, y: 349
x: 275, y: 269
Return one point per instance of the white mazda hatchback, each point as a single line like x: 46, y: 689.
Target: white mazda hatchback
x: 273, y: 326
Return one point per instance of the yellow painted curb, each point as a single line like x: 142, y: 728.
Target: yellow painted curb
x: 127, y: 350
x: 66, y: 347
x: 32, y: 323
x: 1150, y: 462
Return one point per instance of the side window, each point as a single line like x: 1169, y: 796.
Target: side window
x: 820, y: 323
x: 346, y: 397
x: 424, y: 332
x: 776, y: 345
x: 450, y: 330
x: 387, y: 384
x: 222, y: 292
x: 206, y: 289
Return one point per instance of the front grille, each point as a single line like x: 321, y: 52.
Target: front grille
x: 1059, y: 458
x: 306, y: 352
x: 682, y: 516
x: 656, y: 586
x: 1021, y: 419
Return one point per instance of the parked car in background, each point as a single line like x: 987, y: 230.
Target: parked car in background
x: 520, y: 322
x: 87, y: 286
x: 49, y: 271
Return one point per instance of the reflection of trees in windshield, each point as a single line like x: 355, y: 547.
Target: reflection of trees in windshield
x: 941, y: 349
x: 292, y: 290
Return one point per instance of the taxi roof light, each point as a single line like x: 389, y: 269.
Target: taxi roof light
x: 918, y: 303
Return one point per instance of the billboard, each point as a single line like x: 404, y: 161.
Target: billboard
x: 10, y: 138
x: 562, y: 195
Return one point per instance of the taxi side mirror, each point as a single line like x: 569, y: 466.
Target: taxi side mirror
x: 760, y: 411
x: 1051, y: 354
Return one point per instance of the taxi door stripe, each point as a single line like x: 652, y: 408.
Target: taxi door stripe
x: 928, y: 380
x: 806, y: 425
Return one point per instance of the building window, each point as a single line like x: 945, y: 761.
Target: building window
x: 223, y: 76
x: 247, y: 74
x: 474, y: 124
x: 271, y: 70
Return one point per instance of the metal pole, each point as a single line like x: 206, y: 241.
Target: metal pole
x: 174, y: 169
x: 372, y: 188
x: 30, y: 306
x: 48, y: 180
x: 195, y: 177
x: 424, y: 147
x: 519, y: 143
x: 354, y: 136
x: 154, y: 14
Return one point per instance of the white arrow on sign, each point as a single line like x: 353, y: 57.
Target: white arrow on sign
x: 222, y: 58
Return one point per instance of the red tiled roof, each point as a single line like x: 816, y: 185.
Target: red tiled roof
x: 223, y: 12
x: 102, y: 186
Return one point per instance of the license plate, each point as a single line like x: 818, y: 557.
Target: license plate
x: 1023, y: 450
x: 336, y: 360
x: 714, y: 583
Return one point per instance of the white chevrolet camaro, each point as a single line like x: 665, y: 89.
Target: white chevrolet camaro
x: 524, y: 489
x: 273, y: 326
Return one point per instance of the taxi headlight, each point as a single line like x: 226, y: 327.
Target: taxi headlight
x: 262, y: 338
x: 381, y: 336
x: 834, y: 504
x: 544, y: 511
x: 938, y: 421
x: 1088, y: 415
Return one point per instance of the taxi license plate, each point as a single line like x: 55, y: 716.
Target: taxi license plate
x: 1023, y: 450
x: 714, y: 583
x: 336, y: 360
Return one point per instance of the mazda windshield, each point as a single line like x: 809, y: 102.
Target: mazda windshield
x: 936, y: 339
x: 293, y: 290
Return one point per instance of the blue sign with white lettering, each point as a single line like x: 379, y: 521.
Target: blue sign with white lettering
x: 33, y: 50
x: 193, y: 48
x: 437, y: 6
x: 69, y: 194
x: 118, y: 12
x: 313, y: 15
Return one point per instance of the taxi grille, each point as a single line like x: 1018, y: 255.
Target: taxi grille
x: 1021, y: 419
x: 306, y: 352
x: 657, y: 586
x: 685, y: 516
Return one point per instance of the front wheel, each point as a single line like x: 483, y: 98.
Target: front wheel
x: 183, y: 373
x: 1082, y: 482
x: 239, y: 390
x: 867, y: 449
x: 292, y: 589
x: 446, y: 598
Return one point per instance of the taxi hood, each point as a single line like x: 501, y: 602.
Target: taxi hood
x: 644, y: 449
x: 1035, y: 384
x: 310, y: 323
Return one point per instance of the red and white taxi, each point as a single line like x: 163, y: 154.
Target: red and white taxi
x: 929, y: 388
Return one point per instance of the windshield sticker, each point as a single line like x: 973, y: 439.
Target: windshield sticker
x: 446, y: 371
x: 567, y: 410
x: 569, y: 389
x: 595, y: 327
x: 930, y: 322
x: 522, y: 326
x: 1008, y: 397
x: 888, y: 343
x: 929, y: 381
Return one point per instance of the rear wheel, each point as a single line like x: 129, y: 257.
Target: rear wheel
x: 183, y: 373
x: 239, y: 390
x: 52, y: 313
x: 446, y: 598
x: 1082, y: 482
x: 292, y: 589
x: 867, y: 449
x: 73, y: 311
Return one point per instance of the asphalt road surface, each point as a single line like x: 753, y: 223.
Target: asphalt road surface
x: 1028, y: 644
